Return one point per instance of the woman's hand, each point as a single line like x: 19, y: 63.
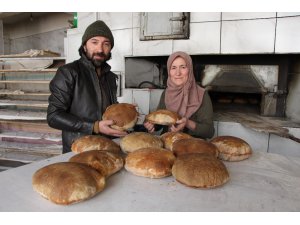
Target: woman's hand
x: 104, y: 128
x: 180, y: 125
x: 149, y: 126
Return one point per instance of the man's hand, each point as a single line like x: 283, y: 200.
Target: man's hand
x: 149, y: 126
x: 104, y: 128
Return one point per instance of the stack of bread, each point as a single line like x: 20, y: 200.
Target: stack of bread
x: 145, y: 155
x: 197, y: 164
x: 84, y: 175
x: 232, y: 148
x: 192, y: 161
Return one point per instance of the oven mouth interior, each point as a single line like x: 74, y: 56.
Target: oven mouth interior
x: 236, y: 102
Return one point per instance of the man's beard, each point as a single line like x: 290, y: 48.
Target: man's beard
x: 98, y: 62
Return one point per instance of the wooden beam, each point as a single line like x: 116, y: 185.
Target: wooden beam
x: 24, y: 94
x: 28, y: 70
x: 24, y: 81
x: 29, y: 126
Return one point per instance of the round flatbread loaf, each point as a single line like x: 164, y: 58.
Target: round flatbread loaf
x: 94, y: 142
x: 150, y: 162
x: 123, y: 114
x: 138, y: 140
x: 232, y: 148
x: 107, y: 163
x: 194, y: 145
x: 169, y: 138
x: 67, y: 182
x: 200, y: 171
x: 163, y: 117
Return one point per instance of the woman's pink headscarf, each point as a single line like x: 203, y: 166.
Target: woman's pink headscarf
x: 186, y: 99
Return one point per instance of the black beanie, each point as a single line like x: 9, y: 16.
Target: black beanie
x: 98, y: 28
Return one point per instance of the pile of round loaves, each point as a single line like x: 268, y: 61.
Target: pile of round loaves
x: 193, y: 162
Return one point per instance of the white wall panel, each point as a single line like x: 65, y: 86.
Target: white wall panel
x: 136, y: 19
x: 85, y: 19
x: 122, y: 48
x: 73, y: 44
x: 150, y: 48
x: 116, y: 20
x: 155, y: 95
x: 248, y: 36
x: 204, y: 39
x: 288, y: 35
x: 279, y: 14
x: 246, y: 15
x: 204, y: 16
x: 126, y: 96
x: 141, y: 97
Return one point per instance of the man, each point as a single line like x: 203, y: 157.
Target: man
x: 83, y: 89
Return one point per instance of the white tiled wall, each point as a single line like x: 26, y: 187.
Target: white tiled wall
x: 155, y: 95
x: 196, y: 17
x: 279, y: 14
x: 117, y: 20
x: 123, y: 47
x: 73, y: 43
x: 141, y: 97
x: 287, y: 35
x: 126, y: 96
x: 246, y: 15
x: 204, y: 39
x: 85, y: 19
x: 248, y: 36
x: 150, y: 48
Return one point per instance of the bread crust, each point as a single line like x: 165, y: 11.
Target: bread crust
x: 67, y: 182
x: 163, y: 117
x: 200, y: 171
x: 107, y: 163
x: 169, y: 138
x: 123, y: 114
x: 232, y: 148
x: 137, y: 140
x: 94, y: 142
x: 194, y: 145
x: 150, y: 162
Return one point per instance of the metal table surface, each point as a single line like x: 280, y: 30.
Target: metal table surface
x: 264, y: 182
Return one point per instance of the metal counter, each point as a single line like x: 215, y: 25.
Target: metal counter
x: 264, y: 182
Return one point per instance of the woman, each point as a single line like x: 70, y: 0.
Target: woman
x: 185, y: 97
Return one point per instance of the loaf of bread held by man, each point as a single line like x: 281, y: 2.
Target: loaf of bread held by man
x: 124, y: 115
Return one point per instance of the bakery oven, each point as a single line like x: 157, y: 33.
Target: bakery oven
x: 245, y: 83
x: 245, y: 88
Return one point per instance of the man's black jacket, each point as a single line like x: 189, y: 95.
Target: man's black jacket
x: 75, y: 102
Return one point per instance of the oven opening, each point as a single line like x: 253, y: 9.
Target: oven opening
x: 236, y: 102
